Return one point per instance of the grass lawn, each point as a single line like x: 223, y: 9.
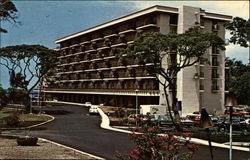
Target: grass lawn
x: 2, y: 115
x: 34, y: 117
x: 23, y: 120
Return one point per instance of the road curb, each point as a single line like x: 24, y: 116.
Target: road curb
x: 76, y: 150
x: 106, y: 125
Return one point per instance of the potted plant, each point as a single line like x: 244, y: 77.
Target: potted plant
x: 27, y: 141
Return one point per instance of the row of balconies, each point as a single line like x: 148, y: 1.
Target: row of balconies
x: 128, y: 84
x: 214, y: 88
x: 113, y: 37
x: 105, y: 63
x: 106, y: 74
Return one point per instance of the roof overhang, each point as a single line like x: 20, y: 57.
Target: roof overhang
x: 122, y: 19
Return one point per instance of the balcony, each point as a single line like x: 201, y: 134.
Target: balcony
x: 215, y: 63
x: 215, y: 27
x: 146, y: 26
x: 118, y: 45
x: 96, y: 39
x: 108, y: 91
x: 215, y: 88
x: 127, y: 31
x: 85, y: 42
x: 111, y: 36
x: 202, y: 88
x: 215, y: 76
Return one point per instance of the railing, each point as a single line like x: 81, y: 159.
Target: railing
x: 113, y: 91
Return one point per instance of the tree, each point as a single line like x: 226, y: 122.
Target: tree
x: 7, y: 13
x: 240, y: 30
x: 27, y: 65
x: 179, y: 51
x: 239, y: 80
x: 3, y: 97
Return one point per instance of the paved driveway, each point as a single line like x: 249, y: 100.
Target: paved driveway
x: 75, y: 128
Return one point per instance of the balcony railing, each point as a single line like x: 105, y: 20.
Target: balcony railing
x: 109, y: 91
x: 215, y: 75
x: 146, y: 26
x: 215, y: 88
x: 215, y: 63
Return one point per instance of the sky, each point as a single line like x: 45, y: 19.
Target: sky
x: 42, y: 22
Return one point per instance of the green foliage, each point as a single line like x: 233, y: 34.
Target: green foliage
x: 12, y: 120
x: 27, y: 63
x: 151, y: 145
x: 239, y: 80
x: 3, y: 97
x: 16, y: 95
x: 177, y: 50
x: 240, y: 30
x: 7, y: 12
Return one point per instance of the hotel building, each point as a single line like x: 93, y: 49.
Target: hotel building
x: 89, y: 69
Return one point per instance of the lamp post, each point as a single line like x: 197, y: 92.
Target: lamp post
x: 231, y: 102
x: 136, y: 104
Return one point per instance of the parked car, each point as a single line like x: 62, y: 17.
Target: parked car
x: 238, y: 124
x: 195, y: 118
x: 132, y: 118
x: 88, y: 104
x: 93, y: 109
x: 187, y: 122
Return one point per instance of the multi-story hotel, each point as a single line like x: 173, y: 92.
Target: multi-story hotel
x: 90, y: 70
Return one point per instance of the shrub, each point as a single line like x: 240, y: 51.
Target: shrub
x: 150, y: 144
x: 12, y: 120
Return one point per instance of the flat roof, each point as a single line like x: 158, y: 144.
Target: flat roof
x: 152, y: 9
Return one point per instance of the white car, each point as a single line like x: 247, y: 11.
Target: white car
x: 93, y: 109
x: 88, y: 104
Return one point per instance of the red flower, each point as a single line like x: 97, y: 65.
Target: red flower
x: 191, y: 146
x: 165, y: 137
x: 134, y: 135
x: 190, y: 153
x: 151, y: 143
x: 187, y: 134
x: 151, y: 129
x: 133, y: 156
x: 117, y: 151
x: 165, y: 147
x: 136, y: 151
x: 170, y: 147
x: 136, y: 129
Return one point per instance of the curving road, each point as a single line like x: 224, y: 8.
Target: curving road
x: 75, y: 128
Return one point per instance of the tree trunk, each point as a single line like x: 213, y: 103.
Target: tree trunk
x: 178, y: 126
x: 27, y: 103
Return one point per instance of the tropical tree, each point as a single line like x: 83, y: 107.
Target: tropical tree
x: 27, y: 65
x: 240, y: 30
x: 7, y: 13
x: 239, y: 80
x: 178, y: 51
x: 3, y: 97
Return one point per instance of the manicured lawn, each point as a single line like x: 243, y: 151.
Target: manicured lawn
x: 2, y: 115
x: 23, y: 120
x: 34, y: 117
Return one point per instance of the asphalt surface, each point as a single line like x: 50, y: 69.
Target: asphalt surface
x: 74, y: 127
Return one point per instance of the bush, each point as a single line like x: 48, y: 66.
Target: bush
x: 150, y: 144
x: 12, y: 120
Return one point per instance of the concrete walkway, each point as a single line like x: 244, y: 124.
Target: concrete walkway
x: 106, y: 125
